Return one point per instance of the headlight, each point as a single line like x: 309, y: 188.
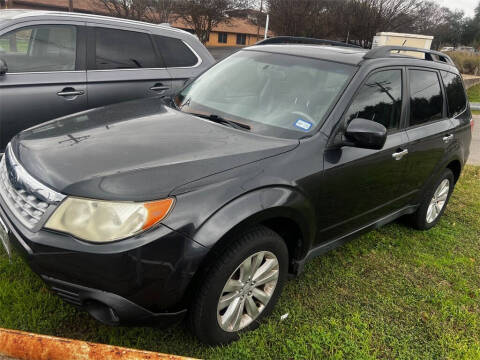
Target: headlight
x: 104, y: 221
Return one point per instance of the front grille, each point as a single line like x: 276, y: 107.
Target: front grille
x: 26, y: 207
x: 29, y: 206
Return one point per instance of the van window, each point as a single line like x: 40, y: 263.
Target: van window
x: 426, y: 99
x: 457, y: 101
x: 120, y: 49
x: 40, y: 48
x: 379, y: 99
x: 174, y: 52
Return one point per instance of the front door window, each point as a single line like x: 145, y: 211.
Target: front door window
x: 42, y: 48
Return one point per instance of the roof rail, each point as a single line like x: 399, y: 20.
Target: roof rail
x: 386, y: 51
x: 303, y: 40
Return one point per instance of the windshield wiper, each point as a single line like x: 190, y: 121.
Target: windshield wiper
x: 221, y: 120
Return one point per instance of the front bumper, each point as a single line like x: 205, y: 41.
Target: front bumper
x: 137, y: 280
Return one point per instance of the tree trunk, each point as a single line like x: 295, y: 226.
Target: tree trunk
x: 70, y: 5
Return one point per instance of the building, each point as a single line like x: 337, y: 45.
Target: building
x: 84, y: 6
x: 238, y: 31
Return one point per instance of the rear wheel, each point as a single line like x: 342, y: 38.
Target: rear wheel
x: 240, y: 288
x: 434, y: 202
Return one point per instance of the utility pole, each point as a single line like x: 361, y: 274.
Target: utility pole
x: 70, y: 5
x: 266, y: 26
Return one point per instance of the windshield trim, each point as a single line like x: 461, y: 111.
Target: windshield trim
x: 253, y: 49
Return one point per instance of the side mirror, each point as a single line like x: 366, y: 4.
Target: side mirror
x: 3, y: 67
x: 366, y: 134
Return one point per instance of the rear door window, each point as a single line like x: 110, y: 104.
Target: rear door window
x: 42, y: 48
x: 379, y: 100
x: 120, y: 49
x: 174, y: 52
x: 426, y: 99
x: 457, y: 101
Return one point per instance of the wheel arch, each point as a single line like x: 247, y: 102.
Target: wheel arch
x: 456, y: 167
x: 281, y: 209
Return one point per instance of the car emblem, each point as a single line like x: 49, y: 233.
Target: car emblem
x: 13, y: 176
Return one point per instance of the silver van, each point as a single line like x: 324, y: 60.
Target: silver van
x: 57, y: 63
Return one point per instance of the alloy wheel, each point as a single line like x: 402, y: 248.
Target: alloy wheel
x: 247, y: 291
x: 438, y: 201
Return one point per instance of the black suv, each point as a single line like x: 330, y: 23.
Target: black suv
x: 203, y: 204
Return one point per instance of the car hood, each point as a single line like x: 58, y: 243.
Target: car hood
x: 138, y: 151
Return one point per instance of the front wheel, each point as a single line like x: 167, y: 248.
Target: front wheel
x: 240, y: 288
x: 434, y: 202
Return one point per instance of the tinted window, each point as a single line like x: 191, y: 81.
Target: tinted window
x: 426, y: 100
x: 40, y: 48
x: 455, y: 93
x: 175, y: 53
x: 241, y: 39
x: 379, y: 99
x: 222, y: 38
x: 119, y: 49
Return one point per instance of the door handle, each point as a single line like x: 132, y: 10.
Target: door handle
x: 448, y: 138
x: 400, y: 154
x: 159, y: 87
x: 70, y: 92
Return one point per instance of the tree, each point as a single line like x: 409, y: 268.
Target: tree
x: 157, y: 11
x: 129, y: 9
x: 204, y: 15
x: 359, y: 20
x: 161, y: 11
x: 472, y: 29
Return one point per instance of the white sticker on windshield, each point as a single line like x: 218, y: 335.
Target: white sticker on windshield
x: 303, y: 125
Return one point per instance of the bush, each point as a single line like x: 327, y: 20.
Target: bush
x: 467, y: 63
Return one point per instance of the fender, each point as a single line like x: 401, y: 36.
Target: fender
x: 456, y: 155
x: 258, y: 206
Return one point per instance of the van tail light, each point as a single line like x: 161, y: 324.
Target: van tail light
x: 471, y: 124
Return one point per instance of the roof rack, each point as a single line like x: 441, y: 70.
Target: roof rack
x: 303, y: 40
x: 386, y: 51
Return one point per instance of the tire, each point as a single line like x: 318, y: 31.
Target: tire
x: 422, y: 219
x: 214, y: 326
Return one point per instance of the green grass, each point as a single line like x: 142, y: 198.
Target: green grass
x: 395, y: 293
x: 474, y: 93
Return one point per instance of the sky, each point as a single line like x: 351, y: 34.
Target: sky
x: 468, y: 6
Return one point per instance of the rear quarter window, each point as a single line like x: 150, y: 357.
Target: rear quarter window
x: 174, y: 52
x: 457, y: 101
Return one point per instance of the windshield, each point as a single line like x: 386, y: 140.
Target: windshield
x: 274, y: 94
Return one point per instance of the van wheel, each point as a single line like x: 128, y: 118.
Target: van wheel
x: 240, y: 288
x: 434, y: 202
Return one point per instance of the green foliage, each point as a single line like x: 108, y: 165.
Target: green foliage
x: 467, y: 63
x: 474, y: 93
x: 394, y: 293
